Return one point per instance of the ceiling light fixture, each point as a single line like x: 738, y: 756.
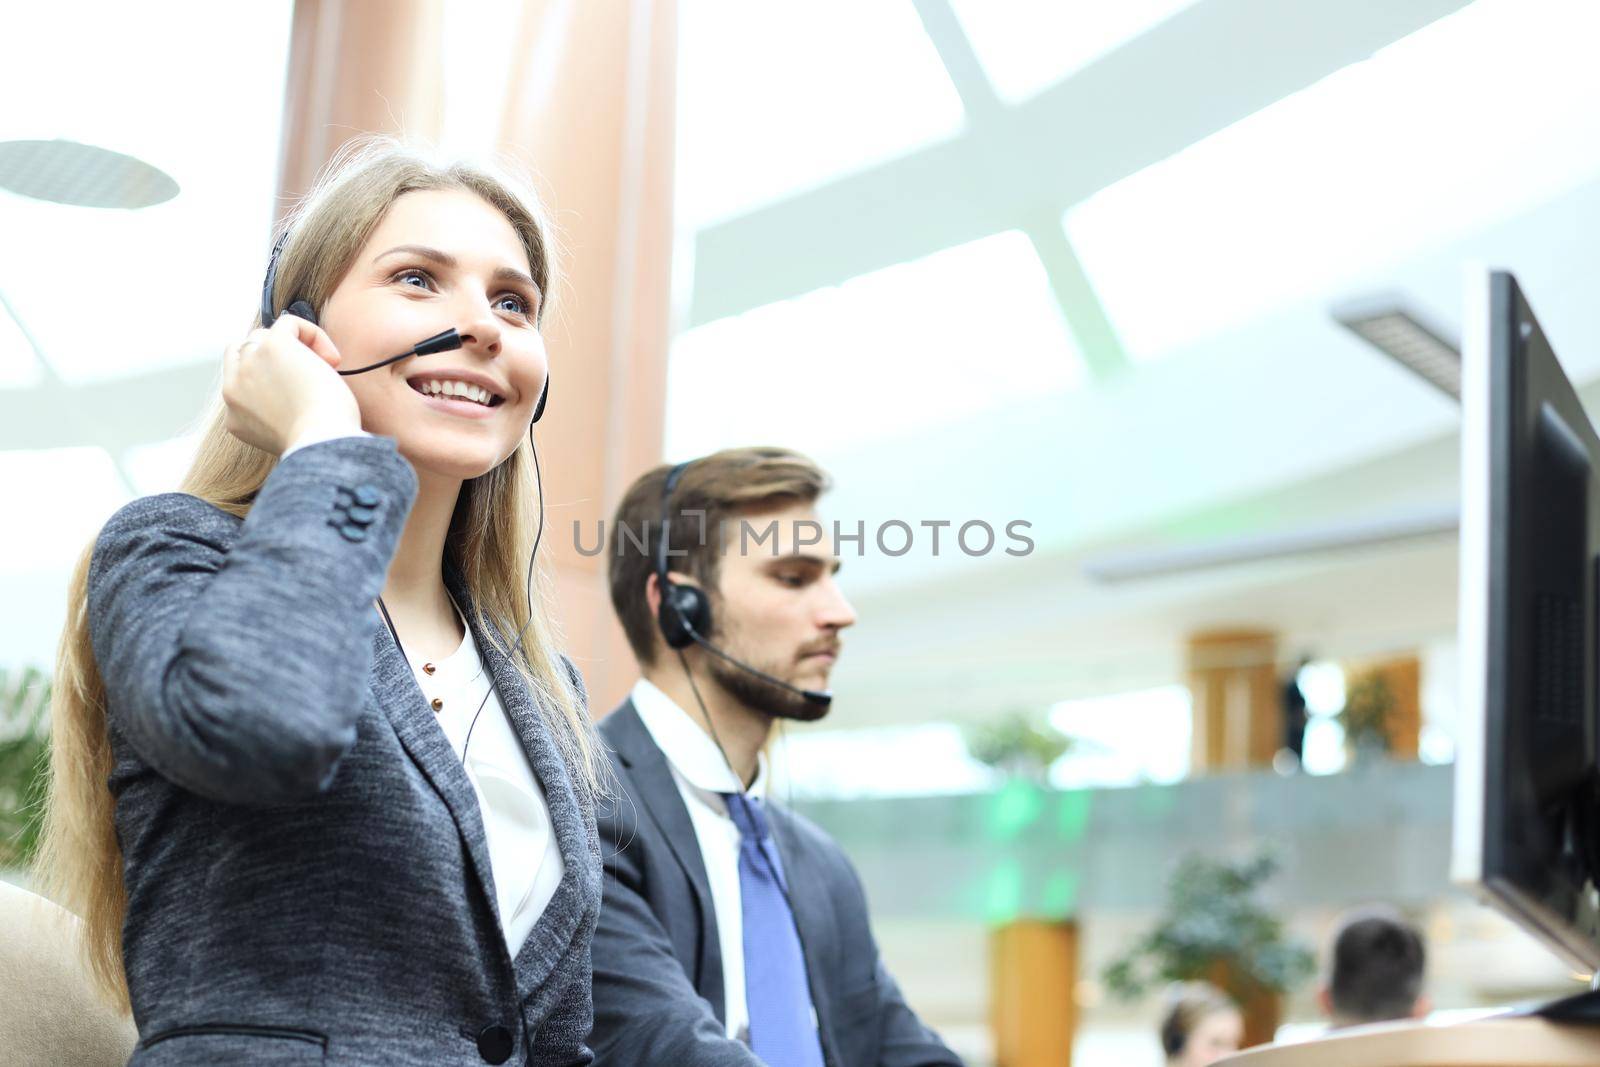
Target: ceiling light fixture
x: 67, y: 172
x: 1399, y: 335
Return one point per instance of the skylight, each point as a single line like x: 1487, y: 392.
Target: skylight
x: 965, y: 330
x: 775, y: 99
x: 1471, y: 120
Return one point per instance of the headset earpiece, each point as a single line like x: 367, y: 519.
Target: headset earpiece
x: 685, y: 611
x: 298, y: 308
x: 544, y: 395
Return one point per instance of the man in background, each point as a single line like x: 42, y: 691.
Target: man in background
x: 1375, y: 970
x: 734, y: 933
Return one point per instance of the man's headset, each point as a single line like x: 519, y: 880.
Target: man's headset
x: 685, y: 612
x: 440, y: 342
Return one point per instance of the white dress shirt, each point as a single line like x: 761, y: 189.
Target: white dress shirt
x: 523, y: 852
x: 703, y: 776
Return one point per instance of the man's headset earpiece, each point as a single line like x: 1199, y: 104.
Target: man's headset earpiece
x: 440, y: 342
x: 684, y: 616
x: 685, y: 610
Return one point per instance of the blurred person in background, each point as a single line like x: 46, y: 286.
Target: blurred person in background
x: 265, y: 805
x: 734, y: 932
x: 1295, y: 714
x: 1200, y: 1025
x: 1375, y: 970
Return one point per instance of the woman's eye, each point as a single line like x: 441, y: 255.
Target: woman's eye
x: 518, y: 306
x: 407, y: 277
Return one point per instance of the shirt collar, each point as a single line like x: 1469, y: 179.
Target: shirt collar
x: 687, y: 746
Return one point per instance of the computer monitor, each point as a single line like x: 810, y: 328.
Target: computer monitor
x: 1527, y: 810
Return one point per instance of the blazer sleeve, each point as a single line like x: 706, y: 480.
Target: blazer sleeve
x: 906, y: 1042
x: 645, y: 1009
x: 236, y: 656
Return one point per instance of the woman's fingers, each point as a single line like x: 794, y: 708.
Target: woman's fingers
x: 309, y: 334
x: 279, y: 379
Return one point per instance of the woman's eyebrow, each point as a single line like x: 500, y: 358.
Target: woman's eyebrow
x: 449, y: 262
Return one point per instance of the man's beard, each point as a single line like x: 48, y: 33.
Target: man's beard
x: 760, y: 695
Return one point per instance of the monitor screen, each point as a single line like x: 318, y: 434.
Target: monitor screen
x: 1526, y: 826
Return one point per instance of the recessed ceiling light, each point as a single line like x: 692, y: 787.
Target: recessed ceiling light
x: 66, y: 172
x: 1399, y: 335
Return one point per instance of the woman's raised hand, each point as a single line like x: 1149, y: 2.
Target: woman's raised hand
x: 280, y: 383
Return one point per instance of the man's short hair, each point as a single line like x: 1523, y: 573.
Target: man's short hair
x: 714, y: 490
x: 1377, y: 967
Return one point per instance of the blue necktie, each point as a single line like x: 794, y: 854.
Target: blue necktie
x: 782, y: 1030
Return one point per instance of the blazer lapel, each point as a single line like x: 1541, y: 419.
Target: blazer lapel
x: 559, y: 925
x: 396, y: 691
x: 659, y: 796
x: 813, y: 918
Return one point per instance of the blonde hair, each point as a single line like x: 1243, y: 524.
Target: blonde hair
x: 490, y: 539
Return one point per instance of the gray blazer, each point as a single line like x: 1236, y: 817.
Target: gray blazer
x: 307, y: 875
x: 658, y: 995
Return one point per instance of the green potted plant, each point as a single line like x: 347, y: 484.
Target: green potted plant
x: 24, y: 763
x: 1367, y: 718
x: 1018, y: 746
x: 1213, y: 928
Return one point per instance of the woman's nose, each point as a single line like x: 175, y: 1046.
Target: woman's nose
x: 479, y: 328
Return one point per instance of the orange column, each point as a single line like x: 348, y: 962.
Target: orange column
x: 1033, y: 977
x: 598, y: 126
x: 1234, y: 689
x: 357, y: 66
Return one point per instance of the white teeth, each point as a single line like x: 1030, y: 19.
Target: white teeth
x: 466, y: 391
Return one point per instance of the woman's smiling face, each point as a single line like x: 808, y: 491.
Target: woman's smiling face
x: 442, y: 258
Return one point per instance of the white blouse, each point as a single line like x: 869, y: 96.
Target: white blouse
x: 523, y: 853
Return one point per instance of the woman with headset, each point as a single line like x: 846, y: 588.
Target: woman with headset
x: 323, y: 786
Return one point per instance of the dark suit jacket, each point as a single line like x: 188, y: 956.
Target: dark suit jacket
x: 658, y: 985
x: 307, y: 874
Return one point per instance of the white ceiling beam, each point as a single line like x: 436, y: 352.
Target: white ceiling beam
x: 1086, y: 317
x: 1200, y: 71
